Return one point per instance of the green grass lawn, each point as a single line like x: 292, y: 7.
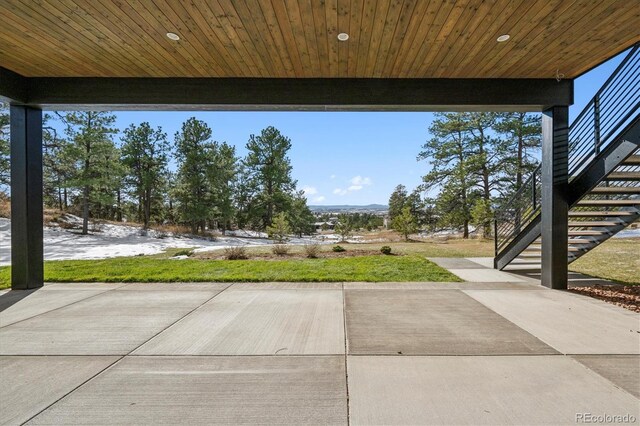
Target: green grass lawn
x: 153, y: 269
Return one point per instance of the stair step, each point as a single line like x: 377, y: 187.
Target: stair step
x: 592, y: 223
x: 602, y: 213
x: 584, y: 233
x: 611, y: 203
x: 616, y: 190
x: 623, y: 176
x: 570, y: 241
x: 634, y: 160
x: 531, y: 250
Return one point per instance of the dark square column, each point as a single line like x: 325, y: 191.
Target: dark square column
x: 26, y: 198
x: 555, y: 209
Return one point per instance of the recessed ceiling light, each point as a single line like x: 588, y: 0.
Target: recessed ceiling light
x: 343, y: 36
x: 173, y: 36
x: 503, y: 37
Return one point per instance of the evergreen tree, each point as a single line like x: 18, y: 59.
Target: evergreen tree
x: 222, y: 178
x: 486, y: 162
x: 94, y: 158
x: 345, y: 226
x: 194, y: 152
x: 57, y: 166
x: 269, y: 171
x: 523, y: 139
x: 449, y: 152
x: 145, y: 154
x: 405, y: 223
x: 280, y: 229
x: 244, y: 197
x: 397, y: 201
x: 5, y: 148
x: 299, y: 215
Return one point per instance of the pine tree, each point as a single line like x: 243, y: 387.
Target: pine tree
x: 486, y: 163
x: 95, y: 159
x: 269, y: 171
x: 344, y: 227
x: 299, y: 215
x: 405, y: 223
x: 145, y: 154
x: 280, y: 229
x: 523, y: 139
x: 194, y: 152
x: 397, y: 201
x: 57, y: 166
x: 222, y: 177
x: 448, y: 152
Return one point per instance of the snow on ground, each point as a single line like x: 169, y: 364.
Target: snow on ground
x: 109, y: 240
x: 628, y: 233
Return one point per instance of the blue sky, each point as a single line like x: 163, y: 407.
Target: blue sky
x: 343, y: 157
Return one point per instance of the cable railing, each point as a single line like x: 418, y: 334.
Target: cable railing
x: 613, y: 107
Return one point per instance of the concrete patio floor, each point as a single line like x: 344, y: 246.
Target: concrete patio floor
x: 501, y: 352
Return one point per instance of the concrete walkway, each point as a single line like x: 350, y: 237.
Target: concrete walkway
x: 501, y: 352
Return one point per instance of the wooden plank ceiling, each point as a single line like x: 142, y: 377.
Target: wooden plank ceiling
x: 298, y: 38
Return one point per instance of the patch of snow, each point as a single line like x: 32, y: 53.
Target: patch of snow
x: 628, y: 233
x: 113, y: 240
x: 247, y: 234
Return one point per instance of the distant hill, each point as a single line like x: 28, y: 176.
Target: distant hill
x: 350, y: 208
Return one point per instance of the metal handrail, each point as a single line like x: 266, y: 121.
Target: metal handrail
x: 614, y: 104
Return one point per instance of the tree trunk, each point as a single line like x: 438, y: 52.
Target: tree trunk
x: 118, y: 206
x: 85, y: 210
x: 147, y: 209
x: 59, y: 198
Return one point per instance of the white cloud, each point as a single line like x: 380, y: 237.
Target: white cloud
x: 360, y: 181
x: 309, y: 190
x: 357, y: 183
x: 319, y: 199
x: 332, y: 177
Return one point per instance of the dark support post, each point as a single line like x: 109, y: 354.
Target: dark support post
x: 26, y: 198
x: 555, y: 208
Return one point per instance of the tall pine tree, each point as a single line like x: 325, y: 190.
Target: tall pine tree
x: 449, y: 152
x: 95, y: 160
x: 145, y: 154
x: 269, y: 171
x: 195, y: 158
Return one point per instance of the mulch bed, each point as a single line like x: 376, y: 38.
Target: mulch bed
x: 626, y: 296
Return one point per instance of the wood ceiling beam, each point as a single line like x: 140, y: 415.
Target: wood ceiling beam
x: 293, y: 94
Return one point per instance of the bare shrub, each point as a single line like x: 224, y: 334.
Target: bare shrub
x: 280, y: 249
x: 235, y: 253
x: 311, y: 250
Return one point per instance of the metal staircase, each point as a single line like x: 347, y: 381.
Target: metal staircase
x: 604, y: 176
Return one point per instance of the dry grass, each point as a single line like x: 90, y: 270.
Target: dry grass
x: 616, y: 260
x: 451, y: 248
x: 5, y: 206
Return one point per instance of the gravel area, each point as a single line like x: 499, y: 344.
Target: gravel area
x: 626, y: 296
